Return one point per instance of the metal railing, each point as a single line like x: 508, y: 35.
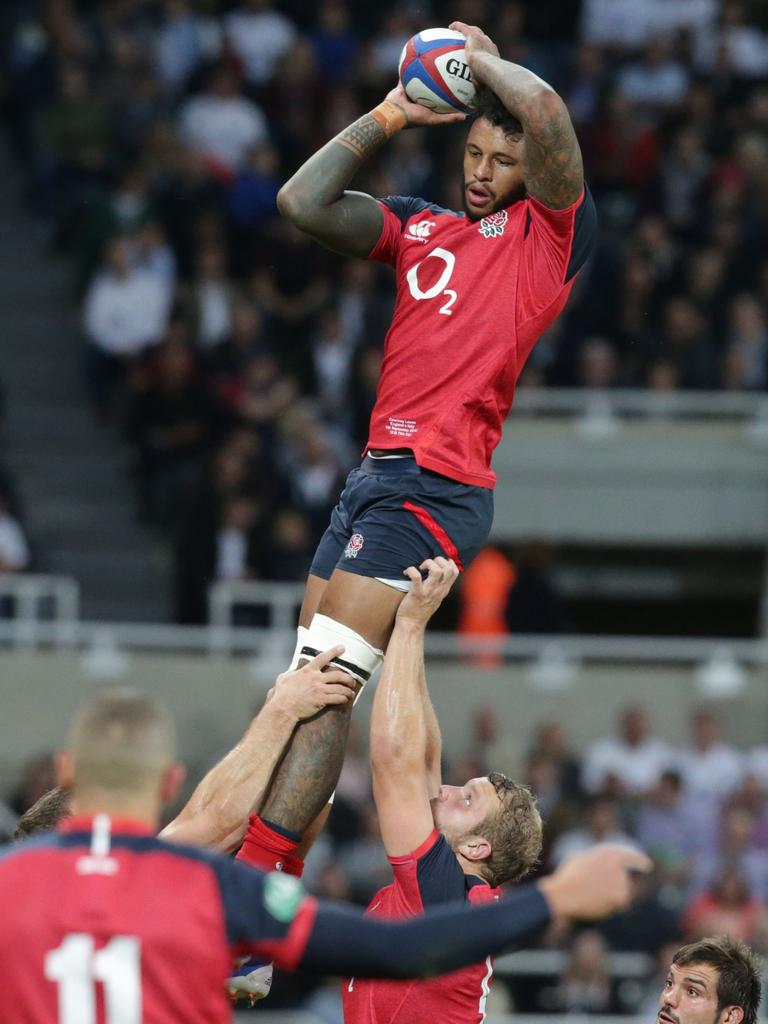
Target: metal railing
x: 632, y: 402
x: 31, y: 603
x: 280, y: 600
x: 45, y: 609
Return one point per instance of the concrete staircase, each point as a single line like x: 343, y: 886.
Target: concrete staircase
x: 71, y: 473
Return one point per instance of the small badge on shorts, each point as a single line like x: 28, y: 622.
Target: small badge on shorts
x: 354, y: 545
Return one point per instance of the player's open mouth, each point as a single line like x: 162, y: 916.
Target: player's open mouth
x: 666, y: 1018
x: 478, y: 196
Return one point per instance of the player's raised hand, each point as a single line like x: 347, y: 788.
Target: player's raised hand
x: 595, y: 883
x: 309, y: 689
x: 477, y: 40
x: 418, y: 115
x: 426, y: 595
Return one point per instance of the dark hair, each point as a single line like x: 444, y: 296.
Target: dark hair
x: 44, y: 814
x: 739, y: 979
x: 489, y: 106
x: 514, y: 832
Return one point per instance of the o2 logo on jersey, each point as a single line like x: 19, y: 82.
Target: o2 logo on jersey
x: 493, y: 225
x: 439, y: 287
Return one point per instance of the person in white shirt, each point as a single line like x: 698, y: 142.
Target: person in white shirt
x: 601, y: 825
x: 710, y: 768
x: 259, y: 36
x: 14, y: 551
x: 655, y: 81
x: 629, y: 764
x: 221, y: 125
x: 126, y: 310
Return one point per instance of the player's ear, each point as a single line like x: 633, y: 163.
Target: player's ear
x: 475, y: 848
x: 732, y: 1015
x: 171, y: 782
x: 65, y: 768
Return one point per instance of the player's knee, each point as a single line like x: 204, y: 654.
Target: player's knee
x: 360, y: 659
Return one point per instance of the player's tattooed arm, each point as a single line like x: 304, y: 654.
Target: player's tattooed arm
x: 553, y: 168
x: 316, y: 199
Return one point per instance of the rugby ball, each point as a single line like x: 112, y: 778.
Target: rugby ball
x: 434, y: 71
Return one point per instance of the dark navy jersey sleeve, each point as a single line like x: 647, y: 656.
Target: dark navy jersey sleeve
x: 404, y: 207
x: 397, y: 211
x: 584, y: 234
x: 439, y: 875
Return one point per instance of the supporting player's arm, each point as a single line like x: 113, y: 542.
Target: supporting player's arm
x: 270, y: 917
x: 553, y: 169
x: 315, y: 199
x: 405, y: 737
x: 434, y: 751
x: 216, y: 814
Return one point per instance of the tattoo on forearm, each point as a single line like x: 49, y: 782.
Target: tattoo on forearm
x: 553, y: 167
x: 363, y: 137
x: 309, y: 771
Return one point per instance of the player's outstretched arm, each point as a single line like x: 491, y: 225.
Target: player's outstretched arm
x: 315, y: 199
x: 553, y: 168
x: 216, y: 814
x: 588, y: 886
x: 404, y: 733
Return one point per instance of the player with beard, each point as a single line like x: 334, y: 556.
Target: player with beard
x: 475, y: 291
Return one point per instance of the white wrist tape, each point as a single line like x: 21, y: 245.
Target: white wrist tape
x: 301, y: 638
x: 360, y: 658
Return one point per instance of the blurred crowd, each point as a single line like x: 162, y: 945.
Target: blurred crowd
x: 699, y: 809
x: 238, y: 357
x: 14, y: 547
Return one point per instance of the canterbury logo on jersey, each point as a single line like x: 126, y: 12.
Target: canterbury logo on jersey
x: 420, y: 231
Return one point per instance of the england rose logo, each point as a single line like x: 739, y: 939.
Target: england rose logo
x: 353, y: 546
x: 493, y: 224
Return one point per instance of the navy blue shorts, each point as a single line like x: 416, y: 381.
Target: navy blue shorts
x: 392, y: 514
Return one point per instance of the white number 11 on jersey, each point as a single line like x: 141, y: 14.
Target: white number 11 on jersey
x: 76, y: 965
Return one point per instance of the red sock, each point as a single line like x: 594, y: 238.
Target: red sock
x: 267, y: 850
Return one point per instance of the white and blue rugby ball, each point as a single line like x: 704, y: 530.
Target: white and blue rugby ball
x: 434, y: 71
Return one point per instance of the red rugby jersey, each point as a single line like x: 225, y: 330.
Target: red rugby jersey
x: 473, y: 298
x: 428, y: 877
x: 103, y: 923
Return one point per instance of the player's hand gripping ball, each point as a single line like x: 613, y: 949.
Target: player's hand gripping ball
x: 434, y: 71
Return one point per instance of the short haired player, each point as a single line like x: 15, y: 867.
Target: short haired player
x: 103, y: 920
x: 717, y: 980
x: 475, y: 290
x: 446, y: 844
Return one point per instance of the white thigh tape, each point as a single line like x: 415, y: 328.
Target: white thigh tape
x: 360, y: 659
x: 301, y: 638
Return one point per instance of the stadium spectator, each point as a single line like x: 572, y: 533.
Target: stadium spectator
x: 126, y: 311
x: 180, y: 44
x: 211, y: 298
x: 673, y: 829
x: 169, y: 423
x: 221, y: 125
x: 709, y: 767
x: 726, y: 907
x: 630, y: 763
x: 260, y: 36
x: 601, y: 824
x: 586, y: 986
x: 14, y: 549
x: 736, y: 848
